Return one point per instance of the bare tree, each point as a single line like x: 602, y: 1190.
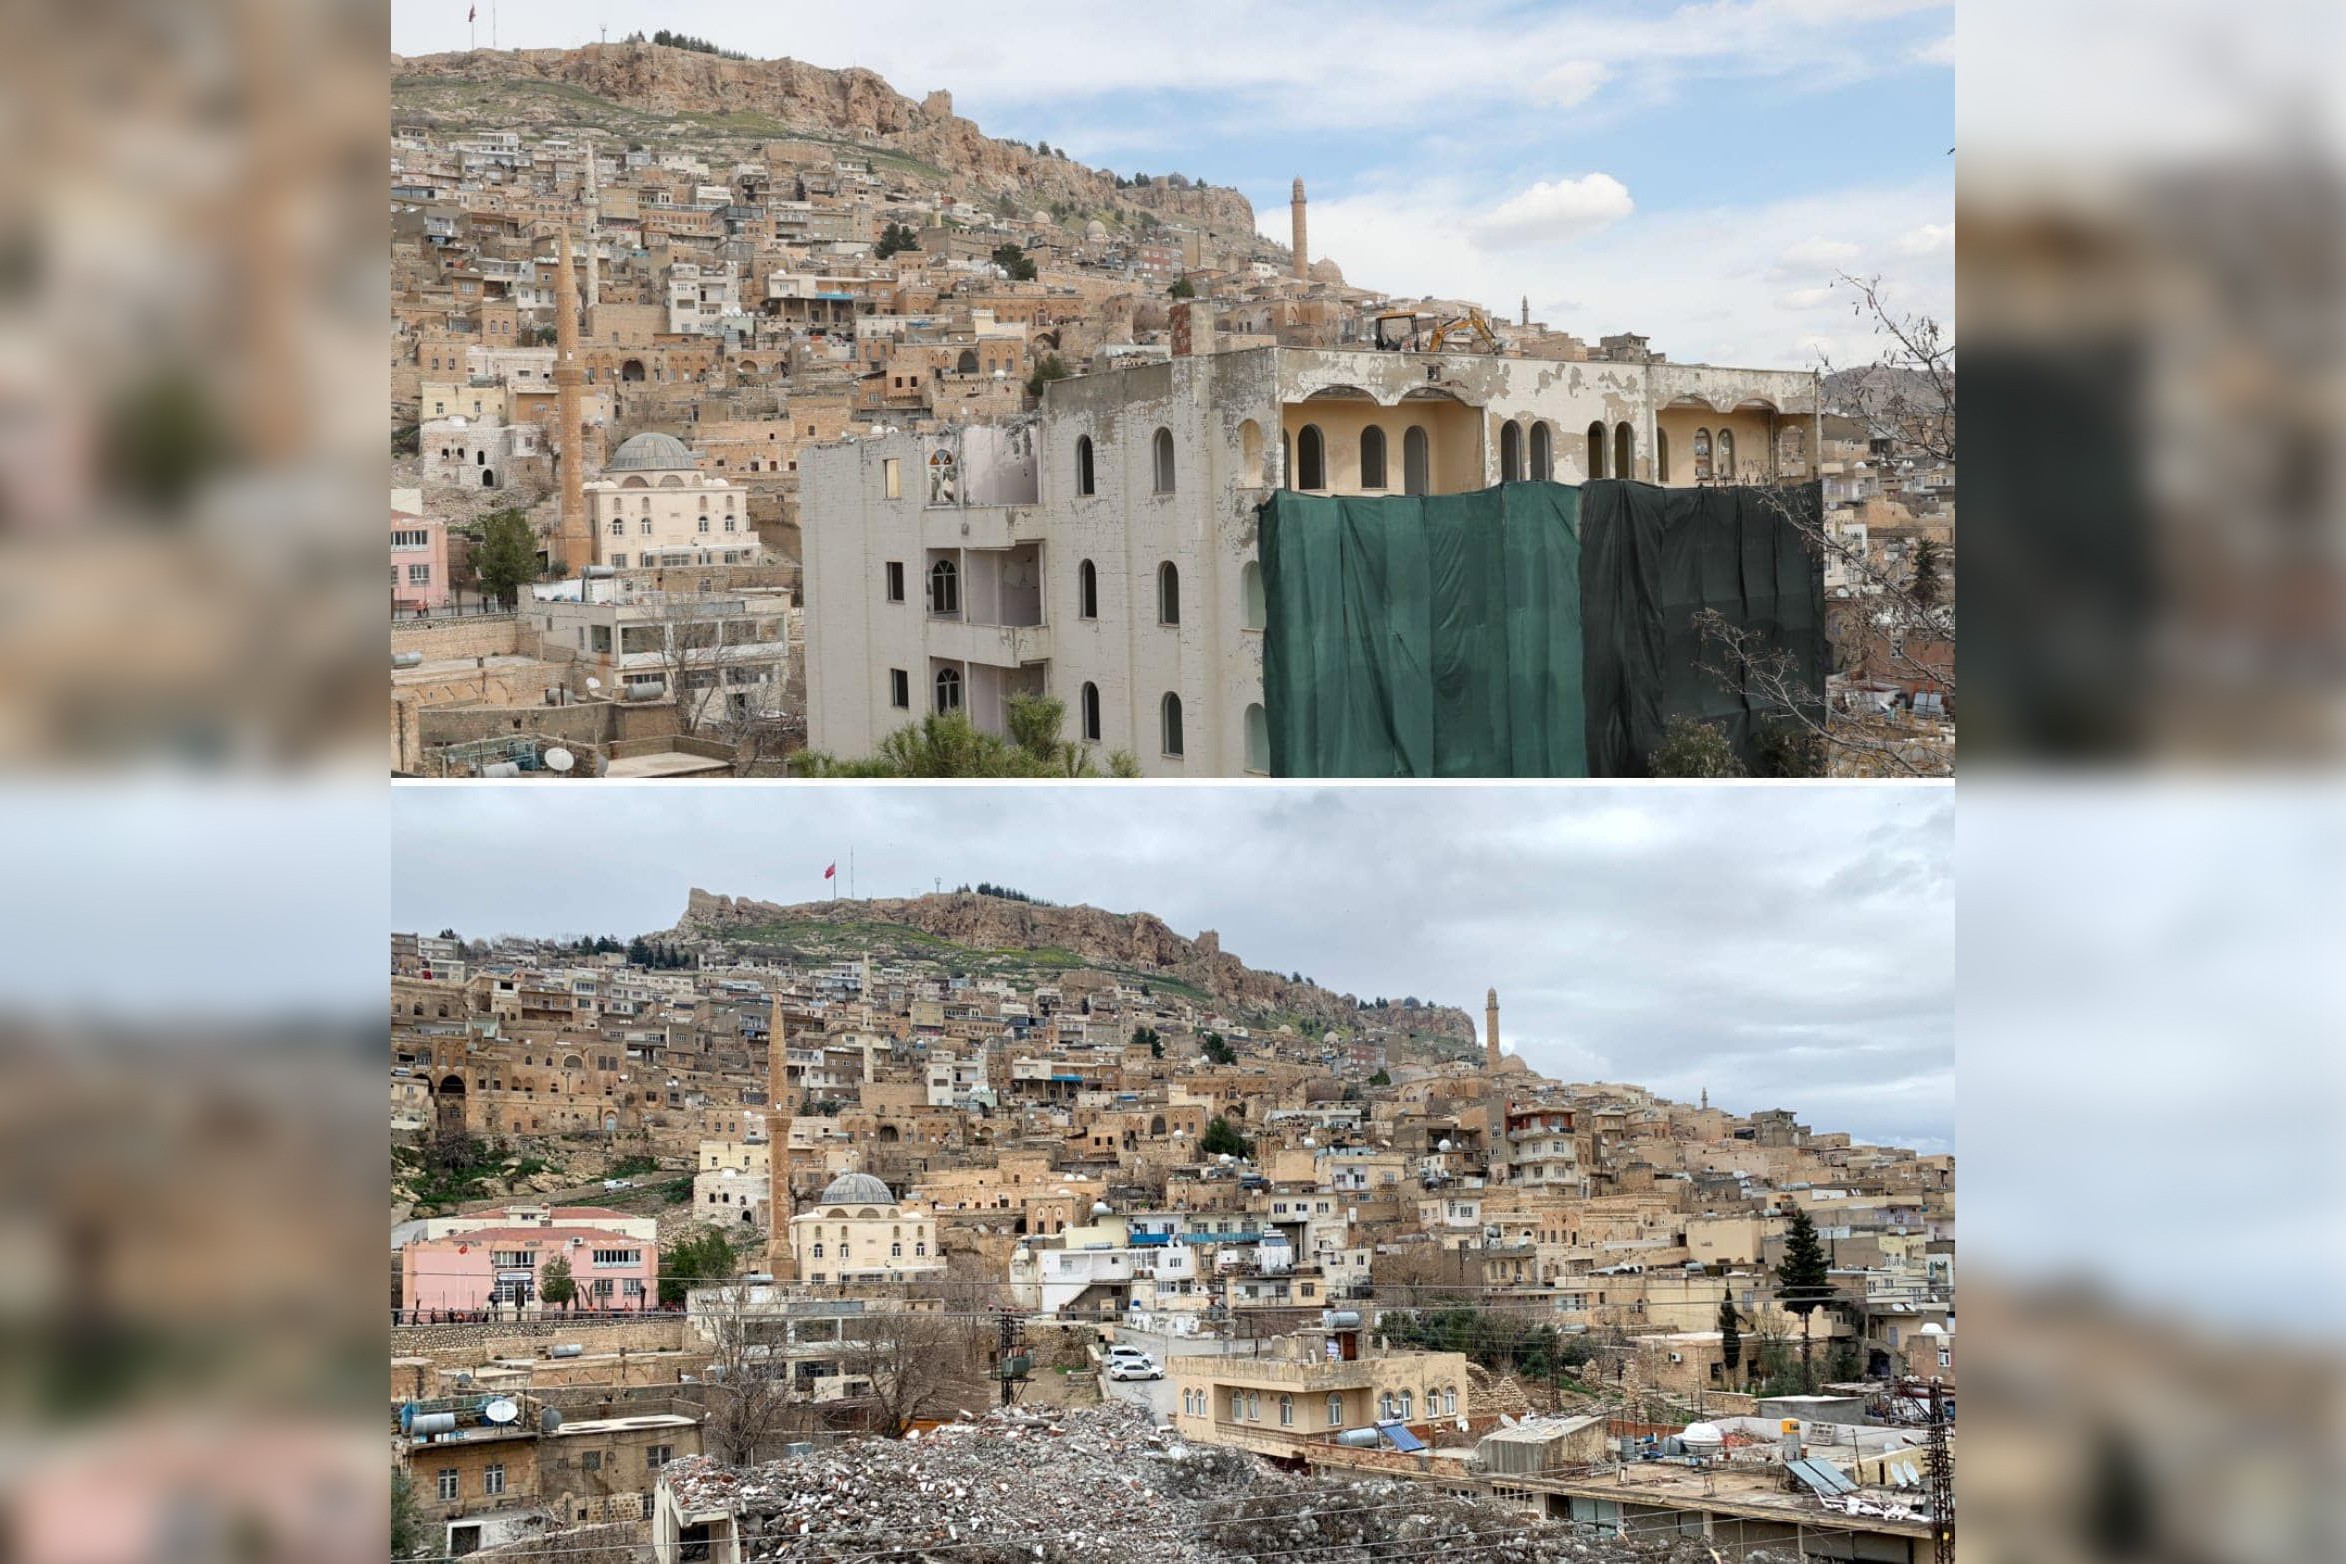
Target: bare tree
x: 747, y: 1384
x: 612, y: 1544
x: 692, y: 656
x: 917, y: 1365
x: 1906, y: 397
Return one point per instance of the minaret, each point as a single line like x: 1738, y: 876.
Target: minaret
x: 577, y: 548
x: 779, y: 1259
x: 1526, y: 306
x: 1706, y: 1099
x: 1302, y: 251
x: 1491, y: 1029
x: 594, y: 218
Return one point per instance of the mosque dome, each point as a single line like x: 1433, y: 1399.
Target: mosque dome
x: 1095, y: 229
x: 1327, y: 271
x: 652, y: 451
x: 848, y: 1189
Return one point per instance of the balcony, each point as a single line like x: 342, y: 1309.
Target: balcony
x: 994, y: 646
x: 981, y: 526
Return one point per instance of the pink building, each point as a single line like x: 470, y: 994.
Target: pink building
x: 419, y: 562
x: 476, y: 1267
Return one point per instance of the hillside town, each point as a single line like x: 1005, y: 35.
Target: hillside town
x: 723, y: 433
x: 705, y: 1242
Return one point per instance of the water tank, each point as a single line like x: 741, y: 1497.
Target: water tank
x: 1339, y: 1319
x: 549, y: 1419
x: 1359, y: 1438
x: 501, y: 769
x: 407, y: 659
x: 569, y: 1349
x: 419, y: 1425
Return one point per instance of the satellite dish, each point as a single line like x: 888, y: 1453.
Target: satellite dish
x: 559, y: 759
x: 501, y: 1411
x: 593, y: 683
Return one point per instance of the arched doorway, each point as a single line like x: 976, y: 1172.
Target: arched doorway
x: 448, y: 1103
x: 633, y: 369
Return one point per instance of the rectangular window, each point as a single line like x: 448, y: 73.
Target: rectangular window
x: 404, y: 540
x: 493, y: 1480
x: 419, y: 575
x: 590, y: 1461
x: 658, y: 1456
x: 896, y: 581
x: 448, y: 1491
x: 900, y: 689
x: 892, y: 478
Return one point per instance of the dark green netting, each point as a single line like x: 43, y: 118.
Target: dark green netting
x: 1651, y: 559
x: 1423, y: 637
x: 1446, y: 636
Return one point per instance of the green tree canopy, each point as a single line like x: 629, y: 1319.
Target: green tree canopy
x: 556, y: 1285
x: 1690, y: 748
x: 1803, y: 1278
x: 894, y: 238
x: 1381, y: 1078
x: 695, y: 1258
x: 1221, y: 1140
x: 1051, y: 368
x: 1927, y: 584
x: 1182, y: 288
x: 1014, y: 260
x: 507, y: 556
x: 948, y: 744
x: 1218, y: 1049
x: 1730, y: 1336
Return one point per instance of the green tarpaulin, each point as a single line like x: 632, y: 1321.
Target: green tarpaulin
x: 1530, y: 630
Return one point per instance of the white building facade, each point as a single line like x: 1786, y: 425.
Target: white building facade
x: 1104, y: 551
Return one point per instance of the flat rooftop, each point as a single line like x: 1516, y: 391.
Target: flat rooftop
x: 669, y: 763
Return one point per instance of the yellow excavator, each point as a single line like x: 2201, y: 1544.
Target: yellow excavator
x: 1396, y: 328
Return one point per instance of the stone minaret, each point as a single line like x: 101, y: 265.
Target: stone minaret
x: 1491, y: 1029
x: 594, y: 218
x: 779, y: 1258
x: 577, y: 547
x: 1302, y: 250
x: 1526, y: 305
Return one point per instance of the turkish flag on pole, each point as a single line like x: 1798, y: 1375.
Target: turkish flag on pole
x: 475, y: 11
x: 831, y: 872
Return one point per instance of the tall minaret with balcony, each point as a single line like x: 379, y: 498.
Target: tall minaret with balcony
x: 1302, y: 261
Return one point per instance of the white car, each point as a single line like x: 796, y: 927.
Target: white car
x: 619, y: 1183
x: 1140, y: 1366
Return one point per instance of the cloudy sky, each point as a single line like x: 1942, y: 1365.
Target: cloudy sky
x: 1698, y: 172
x: 1784, y: 948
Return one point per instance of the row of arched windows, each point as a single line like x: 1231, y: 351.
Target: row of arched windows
x: 1160, y: 464
x: 1307, y: 458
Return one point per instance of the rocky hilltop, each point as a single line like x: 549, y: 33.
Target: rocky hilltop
x: 748, y: 100
x: 1136, y: 942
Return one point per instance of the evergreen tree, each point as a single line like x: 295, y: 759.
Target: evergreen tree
x: 1182, y: 288
x: 1221, y: 1140
x: 1803, y: 1279
x: 1730, y: 1336
x: 1692, y: 748
x: 1014, y: 260
x: 1051, y: 368
x: 407, y: 1528
x: 702, y: 1255
x: 507, y: 555
x: 1381, y: 1078
x: 556, y: 1285
x: 1927, y: 584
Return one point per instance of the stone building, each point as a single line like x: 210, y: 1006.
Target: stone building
x: 856, y: 1232
x: 1105, y: 551
x: 653, y: 506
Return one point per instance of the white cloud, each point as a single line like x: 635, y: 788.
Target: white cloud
x: 1554, y: 211
x: 1818, y: 254
x: 1806, y: 298
x: 1929, y: 239
x: 1940, y: 51
x: 1571, y: 84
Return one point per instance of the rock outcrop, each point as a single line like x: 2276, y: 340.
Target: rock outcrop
x: 853, y: 103
x: 1136, y: 942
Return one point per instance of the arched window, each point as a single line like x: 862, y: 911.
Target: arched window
x: 1661, y: 455
x: 1090, y: 713
x: 1258, y: 739
x: 1335, y: 1410
x: 1250, y: 588
x: 1724, y: 462
x: 1172, y: 724
x: 1163, y: 445
x: 944, y: 588
x: 1250, y: 450
x: 966, y: 364
x: 1311, y: 458
x: 948, y: 689
x: 1543, y: 452
x: 1416, y: 463
x: 1624, y: 452
x: 1372, y: 457
x: 1286, y: 1411
x: 1087, y: 591
x: 1408, y: 1405
x: 1596, y: 450
x: 1083, y: 465
x: 1510, y: 452
x: 1702, y: 456
x: 1168, y: 594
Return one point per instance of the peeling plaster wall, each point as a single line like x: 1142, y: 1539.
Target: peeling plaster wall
x: 1225, y: 414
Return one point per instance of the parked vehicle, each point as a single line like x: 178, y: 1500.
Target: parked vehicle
x: 1140, y: 1367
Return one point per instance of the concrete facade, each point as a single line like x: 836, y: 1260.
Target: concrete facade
x: 1151, y: 476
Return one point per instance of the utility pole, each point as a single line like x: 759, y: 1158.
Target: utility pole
x: 1939, y: 1479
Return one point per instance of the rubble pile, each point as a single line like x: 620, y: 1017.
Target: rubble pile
x: 1101, y: 1485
